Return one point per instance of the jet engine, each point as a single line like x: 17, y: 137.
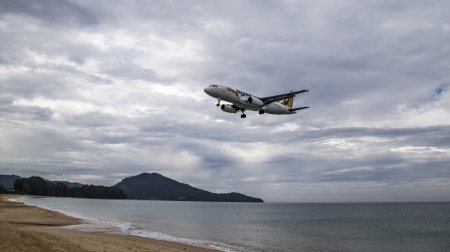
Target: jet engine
x: 228, y: 108
x: 255, y: 101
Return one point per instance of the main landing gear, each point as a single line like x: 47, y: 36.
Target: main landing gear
x: 218, y: 102
x: 261, y: 112
x: 243, y: 115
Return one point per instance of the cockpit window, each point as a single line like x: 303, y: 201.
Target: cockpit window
x: 213, y: 85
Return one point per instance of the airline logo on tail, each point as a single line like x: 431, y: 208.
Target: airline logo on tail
x: 288, y: 102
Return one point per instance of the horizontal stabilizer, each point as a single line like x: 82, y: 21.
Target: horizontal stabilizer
x: 270, y: 99
x: 295, y: 109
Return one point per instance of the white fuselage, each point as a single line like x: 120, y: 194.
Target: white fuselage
x: 240, y: 99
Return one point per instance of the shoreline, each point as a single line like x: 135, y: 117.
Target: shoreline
x: 31, y: 228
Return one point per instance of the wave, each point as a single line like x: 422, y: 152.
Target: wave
x: 129, y: 229
x: 92, y: 224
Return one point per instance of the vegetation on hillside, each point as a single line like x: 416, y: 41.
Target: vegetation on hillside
x: 8, y: 180
x: 148, y: 186
x: 2, y: 189
x: 39, y: 186
x: 154, y: 186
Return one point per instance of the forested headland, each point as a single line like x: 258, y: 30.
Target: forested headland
x: 38, y: 186
x: 145, y: 186
x: 154, y: 186
x: 4, y: 190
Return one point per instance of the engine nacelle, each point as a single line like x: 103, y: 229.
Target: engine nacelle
x: 228, y: 108
x: 255, y: 101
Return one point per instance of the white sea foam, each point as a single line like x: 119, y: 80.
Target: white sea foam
x: 129, y: 229
x: 91, y: 224
x: 237, y: 227
x: 195, y: 242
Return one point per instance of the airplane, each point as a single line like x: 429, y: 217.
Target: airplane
x: 242, y: 101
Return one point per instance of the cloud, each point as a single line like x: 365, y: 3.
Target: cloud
x: 52, y: 12
x: 94, y: 92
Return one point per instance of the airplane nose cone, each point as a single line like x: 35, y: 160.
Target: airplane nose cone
x: 207, y: 90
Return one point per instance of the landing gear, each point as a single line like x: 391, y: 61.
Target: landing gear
x: 243, y: 115
x: 218, y: 102
x: 261, y: 112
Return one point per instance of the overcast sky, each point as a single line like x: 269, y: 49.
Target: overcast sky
x: 94, y: 91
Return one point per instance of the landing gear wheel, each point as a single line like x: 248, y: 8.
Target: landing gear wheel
x: 218, y: 102
x: 243, y: 116
x: 261, y: 112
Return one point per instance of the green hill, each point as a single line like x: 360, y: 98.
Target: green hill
x: 8, y: 180
x: 154, y: 186
x: 39, y: 186
x: 69, y: 184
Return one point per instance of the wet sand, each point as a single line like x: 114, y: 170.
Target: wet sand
x: 29, y: 228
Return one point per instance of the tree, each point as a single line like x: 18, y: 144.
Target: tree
x: 39, y: 186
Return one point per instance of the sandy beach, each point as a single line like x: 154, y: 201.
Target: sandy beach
x: 29, y: 228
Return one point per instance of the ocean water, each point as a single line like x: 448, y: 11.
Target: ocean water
x: 269, y: 226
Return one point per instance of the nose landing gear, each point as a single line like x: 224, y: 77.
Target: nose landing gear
x: 218, y: 102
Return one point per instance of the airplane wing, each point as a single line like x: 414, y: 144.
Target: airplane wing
x: 269, y: 99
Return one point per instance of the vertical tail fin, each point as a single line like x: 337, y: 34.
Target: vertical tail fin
x: 288, y: 102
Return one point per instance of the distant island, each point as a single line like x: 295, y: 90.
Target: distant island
x: 145, y: 186
x: 154, y: 186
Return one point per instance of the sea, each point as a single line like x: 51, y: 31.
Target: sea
x: 266, y: 227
